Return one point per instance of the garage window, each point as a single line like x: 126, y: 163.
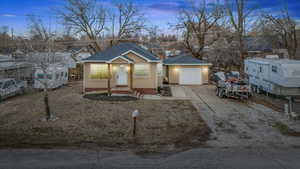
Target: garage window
x: 141, y: 70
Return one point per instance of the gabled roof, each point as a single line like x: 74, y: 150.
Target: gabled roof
x: 184, y: 60
x: 121, y: 50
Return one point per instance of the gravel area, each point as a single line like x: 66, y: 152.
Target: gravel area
x: 237, y: 123
x: 104, y: 123
x: 244, y: 124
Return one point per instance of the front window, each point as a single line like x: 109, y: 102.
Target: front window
x: 141, y: 70
x: 99, y: 71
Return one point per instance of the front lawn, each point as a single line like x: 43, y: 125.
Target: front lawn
x: 103, y: 123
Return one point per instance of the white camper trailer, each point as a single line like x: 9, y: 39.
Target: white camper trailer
x: 56, y: 76
x: 274, y: 75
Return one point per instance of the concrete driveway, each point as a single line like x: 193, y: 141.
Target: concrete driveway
x: 238, y: 124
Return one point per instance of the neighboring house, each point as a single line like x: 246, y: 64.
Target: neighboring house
x: 129, y: 66
x: 186, y: 70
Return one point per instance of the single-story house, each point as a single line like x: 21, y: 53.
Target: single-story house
x: 128, y: 66
x: 186, y: 70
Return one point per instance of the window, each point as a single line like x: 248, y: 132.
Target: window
x: 49, y: 76
x: 1, y: 85
x: 274, y: 69
x: 99, y: 71
x: 66, y: 74
x: 62, y: 74
x: 57, y: 76
x: 40, y: 76
x: 260, y: 69
x: 141, y: 70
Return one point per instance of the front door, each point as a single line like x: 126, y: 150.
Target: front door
x: 122, y: 76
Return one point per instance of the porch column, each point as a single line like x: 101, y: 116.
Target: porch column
x: 108, y: 80
x: 131, y: 76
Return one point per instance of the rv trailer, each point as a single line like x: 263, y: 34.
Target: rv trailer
x: 273, y: 75
x: 56, y: 75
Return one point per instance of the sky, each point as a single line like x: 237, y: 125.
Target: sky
x: 158, y: 12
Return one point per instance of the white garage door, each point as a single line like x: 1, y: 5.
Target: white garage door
x: 190, y: 76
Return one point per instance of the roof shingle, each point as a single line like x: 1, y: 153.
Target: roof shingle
x: 184, y: 60
x: 118, y: 50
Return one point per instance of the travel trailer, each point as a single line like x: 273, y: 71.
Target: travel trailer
x: 274, y: 75
x: 56, y: 75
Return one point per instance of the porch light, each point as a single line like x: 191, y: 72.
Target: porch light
x: 205, y: 69
x: 127, y: 68
x: 176, y: 69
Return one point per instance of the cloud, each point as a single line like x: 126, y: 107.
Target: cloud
x: 9, y: 15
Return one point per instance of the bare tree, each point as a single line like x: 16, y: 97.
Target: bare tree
x: 127, y: 21
x: 239, y: 13
x: 284, y: 26
x: 87, y: 17
x: 42, y: 55
x: 197, y: 23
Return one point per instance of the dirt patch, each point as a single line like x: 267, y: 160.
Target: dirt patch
x: 102, y: 123
x: 285, y: 130
x: 263, y: 100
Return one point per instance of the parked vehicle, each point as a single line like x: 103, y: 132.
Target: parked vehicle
x: 274, y: 75
x: 56, y: 75
x: 231, y: 85
x: 11, y: 87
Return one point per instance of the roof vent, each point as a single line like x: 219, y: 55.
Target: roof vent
x: 272, y: 57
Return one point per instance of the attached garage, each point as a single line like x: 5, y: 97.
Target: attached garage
x: 186, y: 70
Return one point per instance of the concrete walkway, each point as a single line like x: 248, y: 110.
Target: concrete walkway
x: 192, y: 159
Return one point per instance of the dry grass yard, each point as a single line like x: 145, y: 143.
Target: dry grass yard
x: 104, y: 123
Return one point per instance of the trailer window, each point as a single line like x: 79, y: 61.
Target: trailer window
x: 274, y: 69
x: 66, y: 74
x: 57, y: 76
x: 62, y: 74
x: 49, y: 76
x: 40, y: 76
x: 260, y: 69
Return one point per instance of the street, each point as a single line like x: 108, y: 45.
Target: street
x: 208, y: 158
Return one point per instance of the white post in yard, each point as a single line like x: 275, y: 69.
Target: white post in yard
x: 135, y: 114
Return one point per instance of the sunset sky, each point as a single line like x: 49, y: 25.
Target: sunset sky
x: 162, y: 13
